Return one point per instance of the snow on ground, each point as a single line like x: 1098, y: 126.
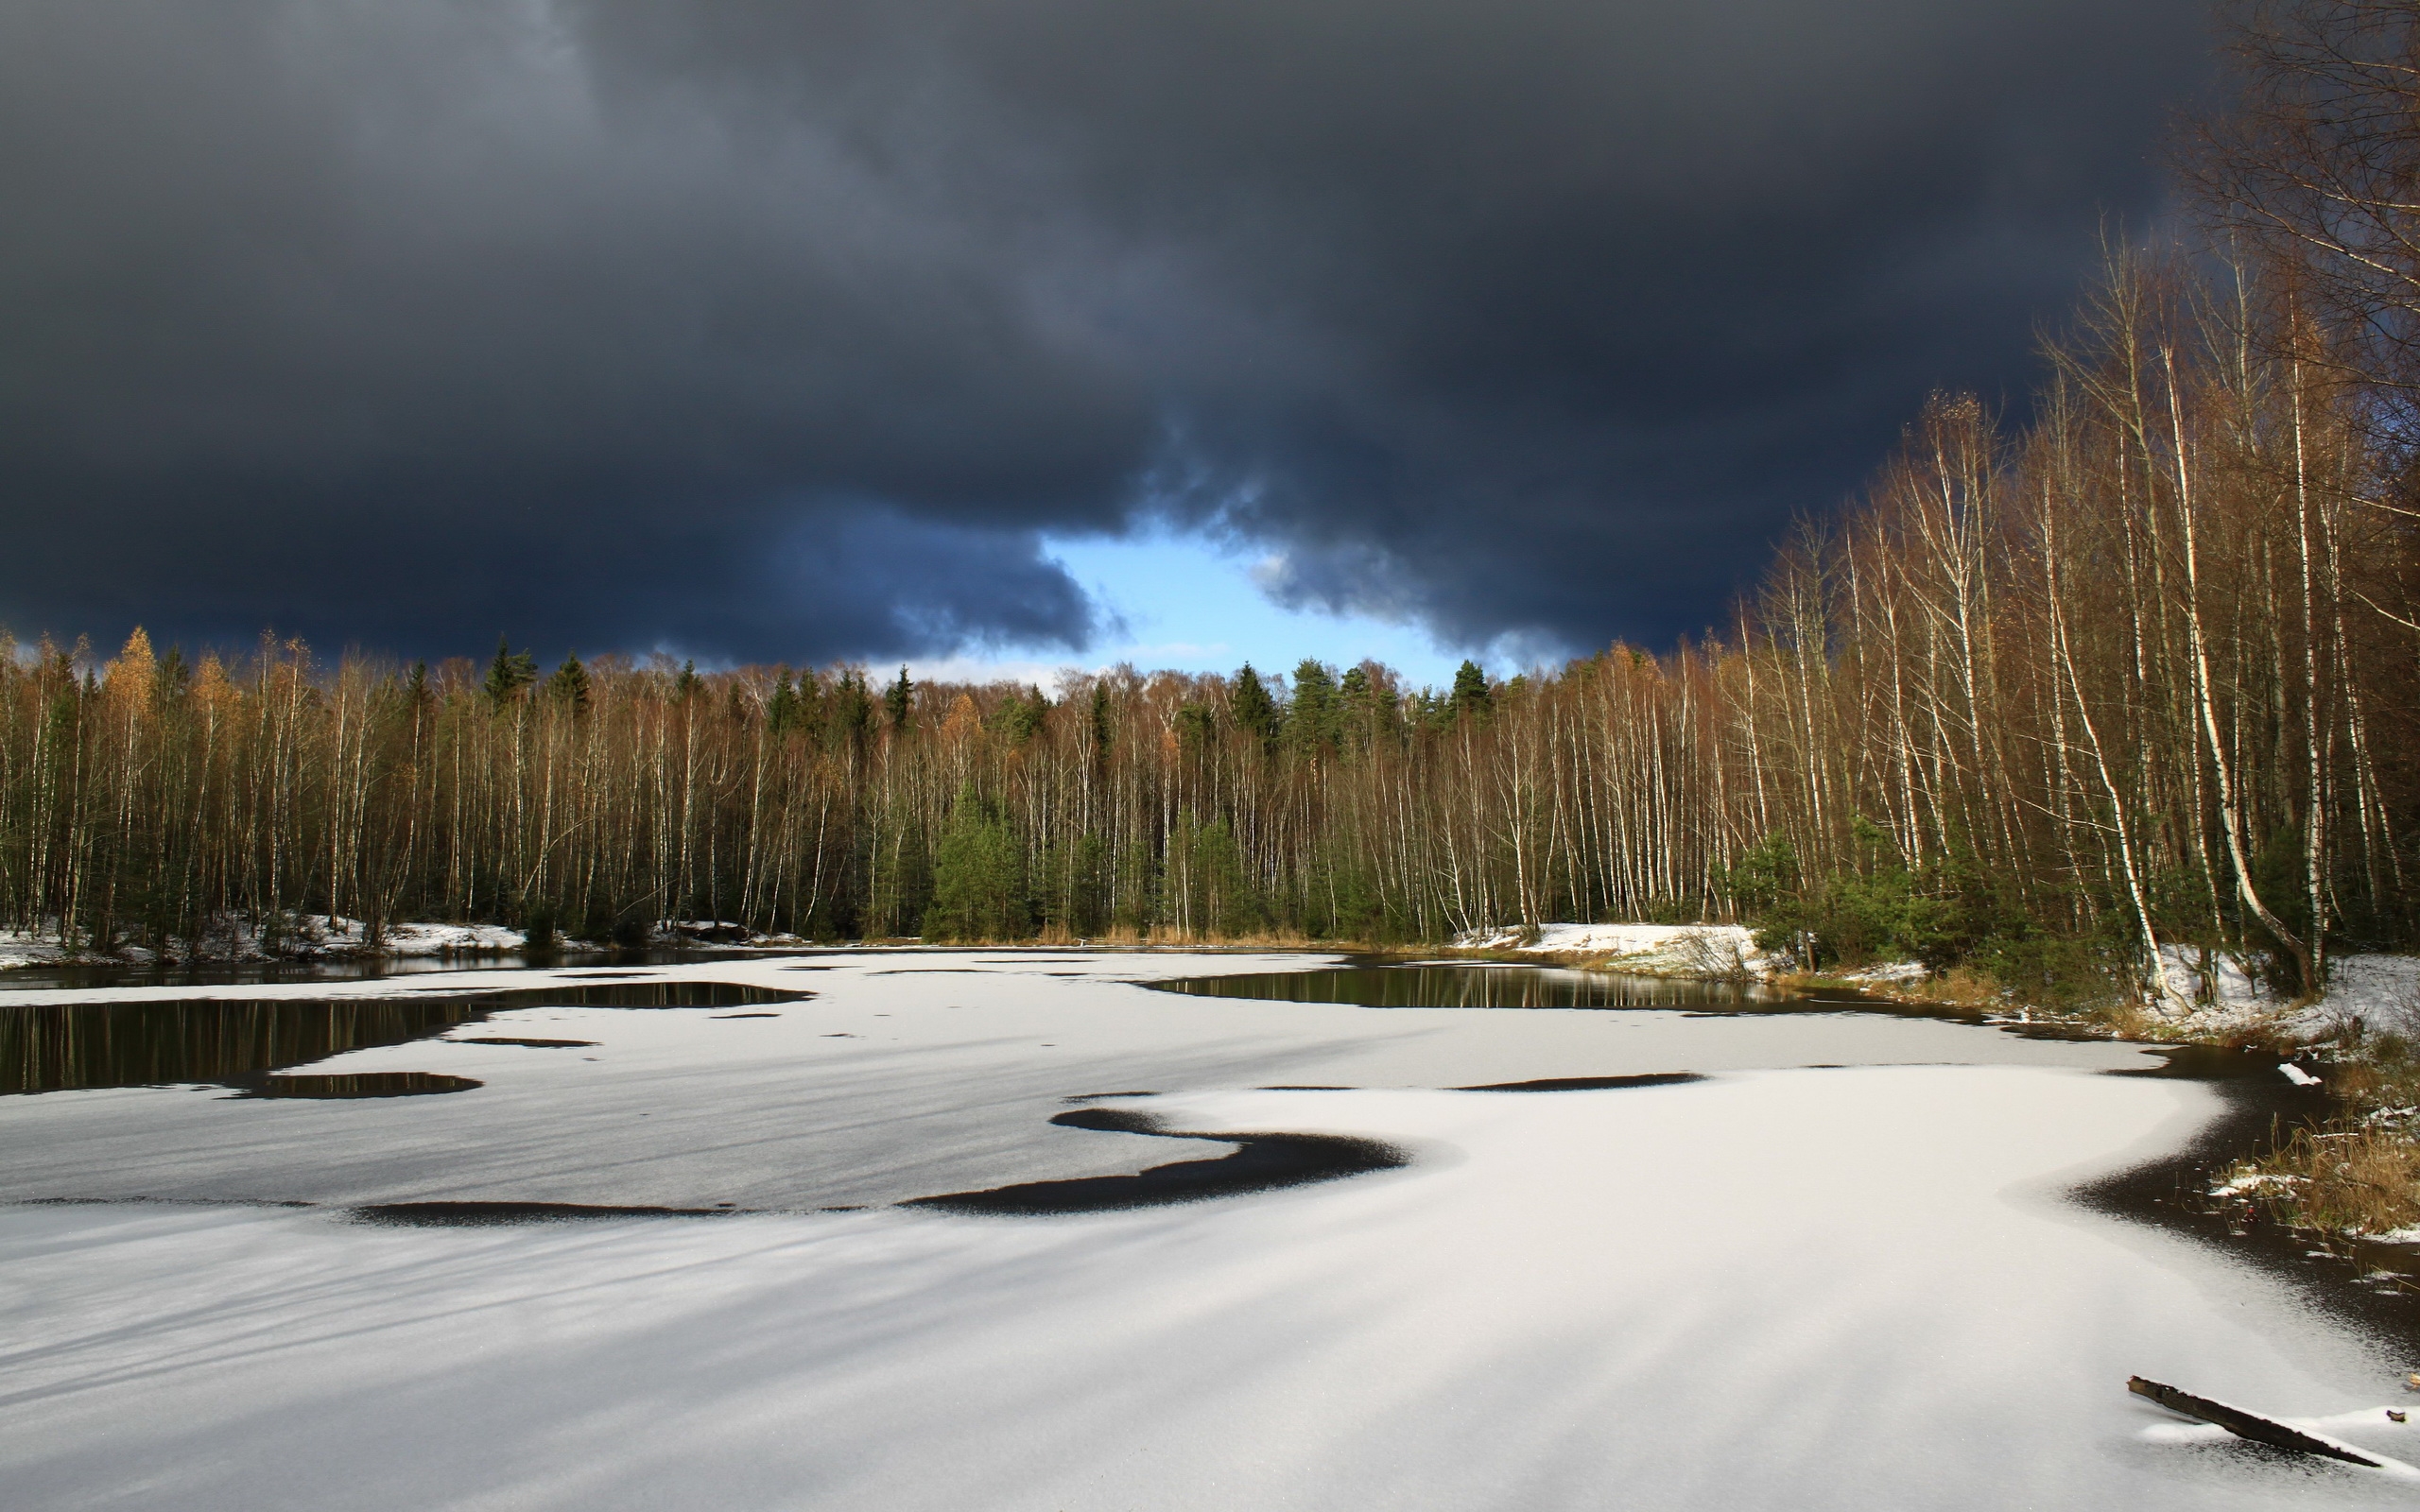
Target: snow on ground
x: 1660, y: 950
x: 2212, y: 978
x: 2380, y: 993
x: 303, y: 936
x: 2366, y: 994
x: 22, y: 948
x: 1781, y: 1287
x: 1888, y: 974
x: 437, y: 939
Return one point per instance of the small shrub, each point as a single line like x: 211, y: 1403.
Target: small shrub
x: 2063, y: 973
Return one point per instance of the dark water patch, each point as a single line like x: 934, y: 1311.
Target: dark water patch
x: 46, y: 1047
x: 158, y: 1202
x: 49, y: 1047
x: 1262, y: 1162
x: 91, y: 977
x: 2219, y: 1063
x: 527, y: 1045
x: 1512, y: 984
x: 747, y: 1015
x: 495, y: 1214
x: 2338, y: 1276
x: 1587, y: 1084
x: 1305, y: 1087
x: 635, y: 995
x: 360, y: 1084
x: 1473, y: 987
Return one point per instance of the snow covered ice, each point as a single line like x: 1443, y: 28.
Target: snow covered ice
x: 1780, y: 1286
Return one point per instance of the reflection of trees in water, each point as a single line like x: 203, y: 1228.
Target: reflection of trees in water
x: 1466, y: 986
x: 52, y: 1048
x: 56, y: 1047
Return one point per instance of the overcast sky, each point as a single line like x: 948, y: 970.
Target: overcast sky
x: 797, y: 331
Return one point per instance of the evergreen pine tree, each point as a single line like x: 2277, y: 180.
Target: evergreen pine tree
x: 781, y: 709
x: 1254, y: 710
x: 852, y: 708
x: 1470, y: 695
x: 175, y: 676
x: 900, y: 700
x: 979, y: 877
x: 1194, y: 726
x: 686, y: 686
x: 809, y: 716
x: 1104, y: 727
x: 569, y: 685
x: 1312, y: 723
x: 1020, y: 716
x: 509, y: 673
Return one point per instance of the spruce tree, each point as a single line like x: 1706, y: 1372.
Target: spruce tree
x: 1311, y: 724
x: 1254, y: 710
x: 979, y: 877
x: 900, y: 700
x: 781, y: 709
x: 509, y: 673
x: 175, y: 676
x: 809, y: 714
x: 569, y: 685
x: 1104, y: 727
x: 1470, y: 695
x: 852, y: 708
x: 1020, y: 716
x: 1195, y: 725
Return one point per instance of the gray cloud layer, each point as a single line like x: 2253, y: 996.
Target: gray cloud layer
x: 778, y: 329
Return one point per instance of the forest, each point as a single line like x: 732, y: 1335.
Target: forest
x: 2136, y: 663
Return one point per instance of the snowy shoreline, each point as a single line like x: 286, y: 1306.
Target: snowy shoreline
x: 2366, y: 993
x: 305, y: 938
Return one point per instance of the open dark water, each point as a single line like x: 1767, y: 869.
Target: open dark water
x: 1496, y: 985
x: 1479, y: 986
x: 47, y: 1047
x: 368, y: 967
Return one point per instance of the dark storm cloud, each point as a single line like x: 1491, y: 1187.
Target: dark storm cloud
x: 766, y: 330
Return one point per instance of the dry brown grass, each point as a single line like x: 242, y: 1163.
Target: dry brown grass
x: 2132, y: 1021
x: 2373, y: 1085
x: 2136, y: 1021
x: 2362, y: 1180
x: 1965, y: 987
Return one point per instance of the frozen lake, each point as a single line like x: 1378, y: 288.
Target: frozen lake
x: 1837, y: 1266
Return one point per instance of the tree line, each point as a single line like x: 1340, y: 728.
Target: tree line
x: 2134, y: 668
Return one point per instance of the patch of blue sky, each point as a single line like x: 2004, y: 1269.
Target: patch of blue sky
x: 1188, y: 604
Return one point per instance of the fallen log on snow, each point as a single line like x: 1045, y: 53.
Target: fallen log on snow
x: 2252, y: 1426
